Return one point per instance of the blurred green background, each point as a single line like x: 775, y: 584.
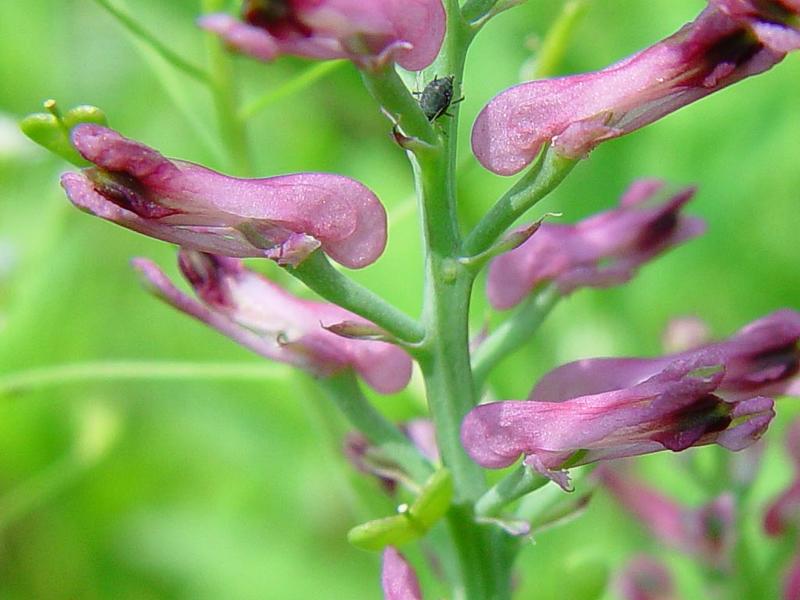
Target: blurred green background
x: 197, y: 487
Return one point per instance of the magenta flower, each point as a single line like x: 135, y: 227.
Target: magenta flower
x: 784, y: 513
x: 283, y: 218
x: 600, y: 251
x: 707, y: 532
x: 370, y: 33
x: 644, y: 578
x: 672, y: 410
x: 761, y: 358
x: 398, y: 578
x: 730, y: 40
x: 265, y: 318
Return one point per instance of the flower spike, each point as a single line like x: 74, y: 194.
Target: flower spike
x: 729, y: 40
x: 283, y: 218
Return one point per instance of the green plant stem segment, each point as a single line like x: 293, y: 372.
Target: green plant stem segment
x: 543, y: 177
x: 224, y: 92
x: 520, y: 482
x: 305, y: 79
x: 555, y: 43
x: 351, y: 402
x: 399, y: 104
x: 142, y: 34
x: 31, y: 380
x: 513, y: 333
x: 320, y: 275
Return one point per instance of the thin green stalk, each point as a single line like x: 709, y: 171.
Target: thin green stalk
x: 39, y: 489
x: 444, y: 357
x: 399, y: 104
x: 105, y: 371
x: 299, y: 83
x: 555, y: 43
x: 520, y: 482
x: 474, y: 10
x: 542, y: 178
x: 224, y: 92
x: 351, y: 402
x: 513, y: 333
x: 138, y: 31
x: 319, y: 275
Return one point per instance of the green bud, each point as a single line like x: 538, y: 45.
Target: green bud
x: 51, y: 129
x: 434, y: 500
x: 377, y: 534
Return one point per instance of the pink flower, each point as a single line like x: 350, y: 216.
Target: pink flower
x: 784, y: 513
x: 374, y: 31
x: 761, y: 358
x: 707, y: 532
x: 604, y: 250
x: 730, y: 40
x: 283, y: 218
x: 674, y: 409
x: 398, y: 578
x: 263, y: 317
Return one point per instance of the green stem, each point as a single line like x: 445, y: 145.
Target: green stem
x: 139, y: 32
x: 474, y: 10
x: 299, y: 83
x: 401, y: 106
x: 444, y: 356
x: 57, y: 375
x: 39, y: 489
x: 520, y: 482
x: 543, y: 177
x: 319, y: 275
x: 558, y: 37
x: 350, y: 400
x: 224, y: 92
x: 513, y: 333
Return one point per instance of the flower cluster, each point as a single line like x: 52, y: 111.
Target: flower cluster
x: 583, y: 412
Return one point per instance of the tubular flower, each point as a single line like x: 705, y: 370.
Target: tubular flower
x: 398, y: 578
x: 265, y: 318
x: 284, y: 218
x: 672, y: 410
x: 603, y: 250
x: 370, y: 33
x: 761, y: 358
x: 784, y: 513
x: 729, y: 40
x: 707, y: 532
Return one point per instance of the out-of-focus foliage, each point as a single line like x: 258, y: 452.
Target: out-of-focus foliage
x: 198, y: 488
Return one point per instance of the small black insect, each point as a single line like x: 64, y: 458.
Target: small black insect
x: 437, y: 97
